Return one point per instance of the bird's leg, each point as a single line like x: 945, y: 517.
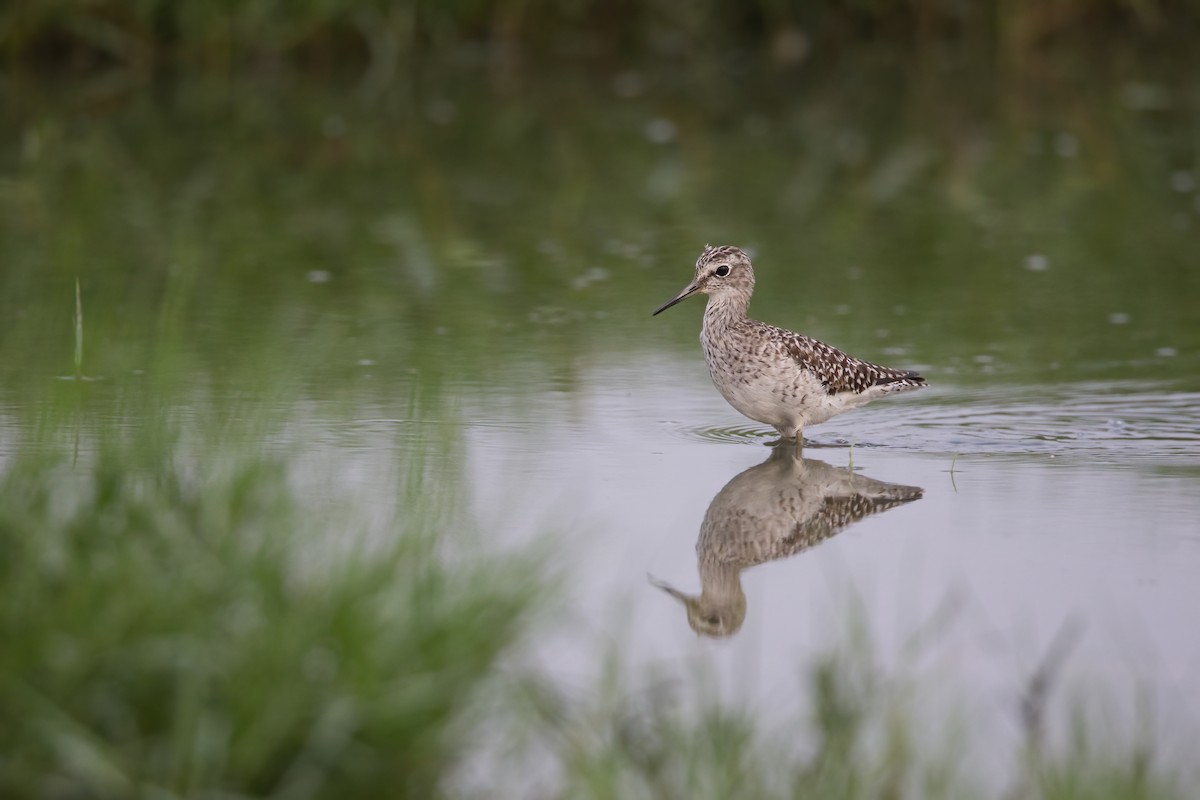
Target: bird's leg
x: 799, y: 440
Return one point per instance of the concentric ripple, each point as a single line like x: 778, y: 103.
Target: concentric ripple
x: 742, y: 434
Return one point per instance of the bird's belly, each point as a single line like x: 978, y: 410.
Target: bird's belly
x: 781, y: 395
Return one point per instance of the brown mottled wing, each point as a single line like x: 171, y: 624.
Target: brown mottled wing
x: 840, y: 372
x: 837, y: 514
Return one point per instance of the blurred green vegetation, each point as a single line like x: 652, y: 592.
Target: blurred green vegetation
x: 320, y: 33
x: 187, y: 633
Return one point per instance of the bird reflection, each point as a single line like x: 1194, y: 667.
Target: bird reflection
x: 781, y: 507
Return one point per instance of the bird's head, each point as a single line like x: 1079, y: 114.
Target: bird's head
x: 719, y: 270
x: 714, y: 617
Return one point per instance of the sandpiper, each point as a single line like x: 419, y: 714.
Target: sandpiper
x: 775, y: 376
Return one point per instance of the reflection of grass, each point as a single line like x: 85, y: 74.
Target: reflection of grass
x: 168, y: 633
x: 78, y: 333
x: 909, y: 204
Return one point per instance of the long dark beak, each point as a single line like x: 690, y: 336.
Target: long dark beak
x: 678, y: 299
x: 657, y: 584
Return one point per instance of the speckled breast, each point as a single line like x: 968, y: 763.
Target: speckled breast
x: 751, y: 380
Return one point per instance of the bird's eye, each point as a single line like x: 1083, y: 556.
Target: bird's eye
x: 722, y: 271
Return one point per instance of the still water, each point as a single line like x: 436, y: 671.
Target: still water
x: 439, y: 299
x: 1017, y: 544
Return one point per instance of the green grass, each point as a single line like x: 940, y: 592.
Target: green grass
x: 174, y: 634
x: 640, y: 737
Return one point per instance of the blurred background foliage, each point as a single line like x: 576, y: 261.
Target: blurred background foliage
x: 151, y: 33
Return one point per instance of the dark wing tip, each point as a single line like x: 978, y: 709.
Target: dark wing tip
x: 901, y: 377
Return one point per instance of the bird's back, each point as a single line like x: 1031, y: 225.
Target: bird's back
x: 837, y: 371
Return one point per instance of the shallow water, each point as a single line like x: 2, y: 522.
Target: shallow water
x: 1021, y: 544
x: 422, y: 309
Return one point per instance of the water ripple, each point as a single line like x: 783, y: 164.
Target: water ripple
x: 1103, y: 421
x: 741, y: 434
